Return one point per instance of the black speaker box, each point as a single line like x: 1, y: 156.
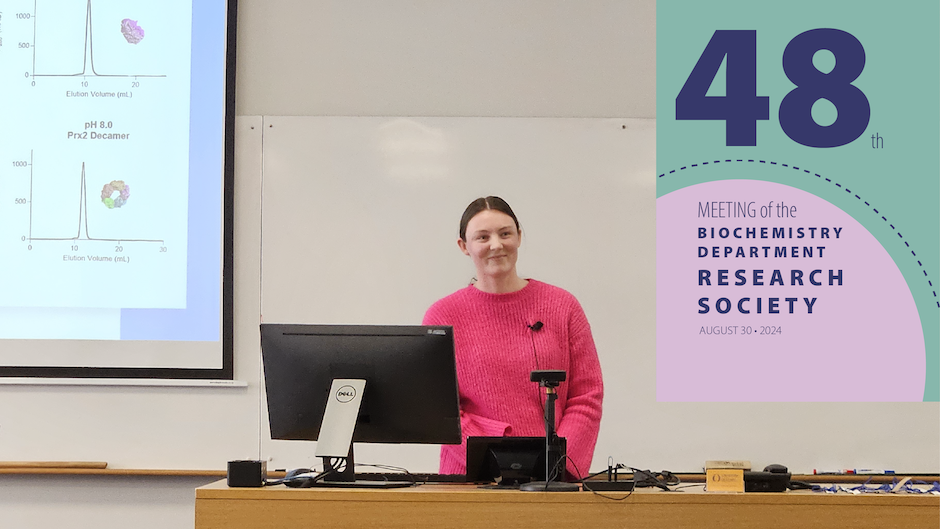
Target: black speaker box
x: 766, y: 481
x: 247, y: 473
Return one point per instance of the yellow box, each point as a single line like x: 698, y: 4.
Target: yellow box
x: 724, y: 480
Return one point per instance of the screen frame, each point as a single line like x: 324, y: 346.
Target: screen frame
x: 226, y: 286
x: 285, y: 383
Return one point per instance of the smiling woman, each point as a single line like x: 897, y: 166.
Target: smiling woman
x: 505, y: 326
x: 493, y: 244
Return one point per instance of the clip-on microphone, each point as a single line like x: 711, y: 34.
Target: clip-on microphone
x: 549, y: 379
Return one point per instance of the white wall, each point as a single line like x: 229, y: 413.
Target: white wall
x: 505, y: 58
x: 532, y: 58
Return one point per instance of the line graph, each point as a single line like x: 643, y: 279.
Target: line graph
x: 88, y: 58
x: 68, y: 249
x: 82, y: 232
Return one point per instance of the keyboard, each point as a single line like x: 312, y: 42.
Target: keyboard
x: 418, y: 477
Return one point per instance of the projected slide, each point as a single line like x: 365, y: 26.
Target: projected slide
x: 88, y: 199
x: 111, y: 168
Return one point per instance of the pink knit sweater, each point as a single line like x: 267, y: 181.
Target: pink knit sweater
x: 495, y: 352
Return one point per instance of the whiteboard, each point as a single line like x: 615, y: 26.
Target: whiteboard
x: 359, y: 225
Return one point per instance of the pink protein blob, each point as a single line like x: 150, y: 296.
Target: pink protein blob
x: 131, y: 31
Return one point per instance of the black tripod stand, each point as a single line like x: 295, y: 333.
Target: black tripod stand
x: 549, y: 380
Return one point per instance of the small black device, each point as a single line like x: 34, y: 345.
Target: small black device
x: 244, y: 473
x: 613, y: 483
x: 508, y: 461
x: 548, y: 378
x: 774, y: 478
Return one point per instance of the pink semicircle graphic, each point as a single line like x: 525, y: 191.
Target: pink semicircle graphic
x: 860, y: 341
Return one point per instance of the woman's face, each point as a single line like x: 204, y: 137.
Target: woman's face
x: 492, y: 243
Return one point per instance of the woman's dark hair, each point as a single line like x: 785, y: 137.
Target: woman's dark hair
x: 481, y: 204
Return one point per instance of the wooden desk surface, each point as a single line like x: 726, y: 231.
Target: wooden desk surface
x: 463, y: 506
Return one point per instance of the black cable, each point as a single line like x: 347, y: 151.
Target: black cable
x: 594, y: 475
x: 587, y: 487
x: 401, y: 470
x: 605, y: 496
x: 662, y: 480
x: 538, y: 389
x: 340, y: 468
x: 554, y: 470
x: 641, y: 478
x: 534, y: 352
x: 668, y: 478
x: 799, y: 485
x: 301, y: 480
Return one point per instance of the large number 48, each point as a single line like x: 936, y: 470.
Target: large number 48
x: 740, y: 108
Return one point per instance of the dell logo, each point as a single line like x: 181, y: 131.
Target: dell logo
x: 345, y: 394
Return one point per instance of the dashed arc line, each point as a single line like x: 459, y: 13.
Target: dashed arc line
x: 847, y: 190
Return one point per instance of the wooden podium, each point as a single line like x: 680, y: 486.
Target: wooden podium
x: 466, y: 506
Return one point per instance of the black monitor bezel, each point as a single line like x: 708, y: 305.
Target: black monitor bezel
x: 423, y: 382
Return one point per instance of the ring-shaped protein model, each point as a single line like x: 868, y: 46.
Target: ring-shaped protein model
x: 123, y: 190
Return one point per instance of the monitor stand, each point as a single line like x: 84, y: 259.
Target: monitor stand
x: 336, y: 434
x: 347, y: 476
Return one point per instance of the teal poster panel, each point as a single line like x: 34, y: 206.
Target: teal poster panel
x: 798, y: 183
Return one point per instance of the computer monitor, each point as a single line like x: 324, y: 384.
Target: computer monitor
x: 411, y: 381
